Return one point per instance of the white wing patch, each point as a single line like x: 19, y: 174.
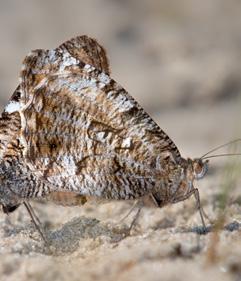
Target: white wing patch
x: 12, y: 106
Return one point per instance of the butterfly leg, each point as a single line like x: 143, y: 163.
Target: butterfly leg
x: 199, y: 207
x: 129, y: 212
x: 35, y: 220
x: 194, y: 192
x: 138, y: 204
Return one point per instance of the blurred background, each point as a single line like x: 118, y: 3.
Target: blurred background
x: 181, y: 60
x: 170, y: 55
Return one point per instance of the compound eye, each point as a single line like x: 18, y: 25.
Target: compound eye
x: 200, y: 169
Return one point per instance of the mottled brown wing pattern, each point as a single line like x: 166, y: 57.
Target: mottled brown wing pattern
x: 83, y: 132
x: 10, y: 128
x: 89, y: 51
x: 83, y: 48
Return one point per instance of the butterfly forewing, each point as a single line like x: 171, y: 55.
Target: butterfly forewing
x: 87, y: 50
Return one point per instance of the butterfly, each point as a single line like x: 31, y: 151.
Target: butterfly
x: 70, y: 132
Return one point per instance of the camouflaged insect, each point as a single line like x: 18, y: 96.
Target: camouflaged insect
x: 71, y: 132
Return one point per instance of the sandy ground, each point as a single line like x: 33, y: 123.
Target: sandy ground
x: 182, y: 63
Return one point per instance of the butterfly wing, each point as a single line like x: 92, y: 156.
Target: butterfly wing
x: 84, y: 48
x: 82, y: 132
x: 87, y: 50
x: 10, y: 127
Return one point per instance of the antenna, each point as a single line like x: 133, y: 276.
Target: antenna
x: 218, y: 147
x: 221, y: 155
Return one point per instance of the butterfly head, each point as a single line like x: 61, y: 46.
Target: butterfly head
x: 199, y: 167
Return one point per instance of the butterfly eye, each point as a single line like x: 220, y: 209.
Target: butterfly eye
x: 200, y: 168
